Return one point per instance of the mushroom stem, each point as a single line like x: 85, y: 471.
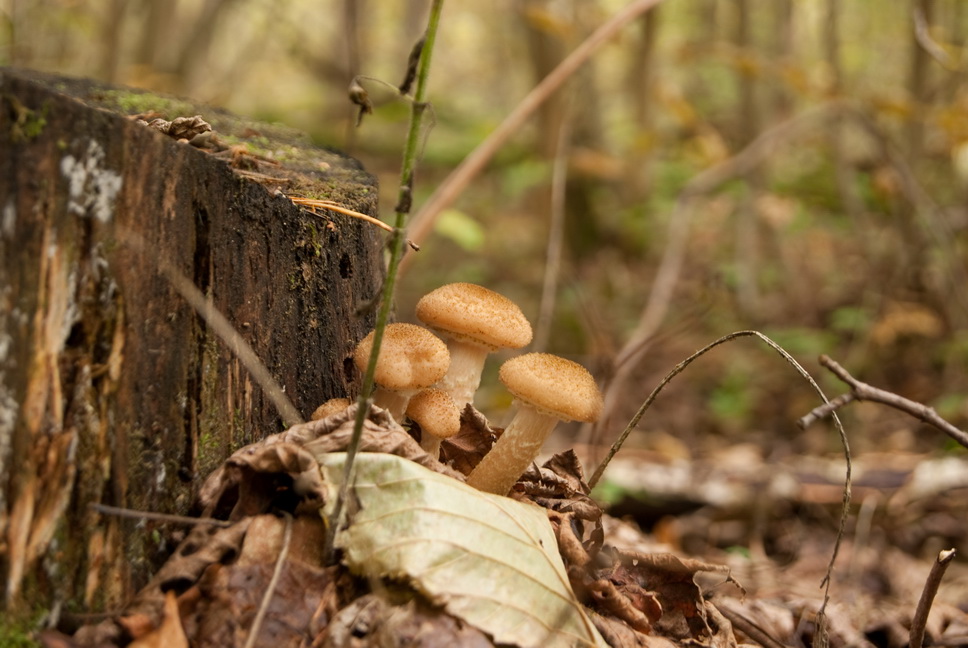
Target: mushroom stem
x: 514, y: 451
x: 394, y: 402
x: 431, y: 444
x: 464, y: 375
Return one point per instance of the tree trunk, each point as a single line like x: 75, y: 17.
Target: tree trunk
x: 112, y: 388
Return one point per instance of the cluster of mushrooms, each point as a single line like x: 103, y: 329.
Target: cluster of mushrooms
x: 430, y: 380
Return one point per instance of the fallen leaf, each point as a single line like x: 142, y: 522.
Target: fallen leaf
x: 170, y: 633
x: 490, y: 561
x: 373, y: 621
x: 465, y: 450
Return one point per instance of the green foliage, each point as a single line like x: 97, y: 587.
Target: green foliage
x: 462, y: 229
x: 732, y: 399
x: 13, y: 635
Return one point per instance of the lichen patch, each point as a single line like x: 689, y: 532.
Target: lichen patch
x: 93, y: 188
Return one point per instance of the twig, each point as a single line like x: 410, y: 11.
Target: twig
x: 861, y: 391
x: 273, y: 582
x: 750, y: 628
x: 677, y: 236
x: 314, y: 204
x: 404, y: 201
x: 559, y: 184
x: 224, y: 329
x: 922, y: 35
x: 845, y: 509
x: 104, y: 509
x: 920, y: 619
x: 467, y: 170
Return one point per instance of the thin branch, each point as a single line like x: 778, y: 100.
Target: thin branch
x: 404, y: 201
x: 559, y: 185
x: 104, y: 509
x: 750, y: 628
x: 677, y: 237
x: 448, y: 191
x: 922, y: 35
x: 920, y: 619
x: 861, y: 391
x: 273, y: 582
x: 845, y: 508
x: 314, y: 204
x: 224, y: 329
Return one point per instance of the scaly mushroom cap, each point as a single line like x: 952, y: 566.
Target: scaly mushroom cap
x: 548, y: 389
x: 473, y: 314
x: 436, y: 413
x: 330, y: 407
x: 411, y: 357
x: 553, y: 386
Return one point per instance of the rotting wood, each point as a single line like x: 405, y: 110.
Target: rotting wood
x: 112, y: 390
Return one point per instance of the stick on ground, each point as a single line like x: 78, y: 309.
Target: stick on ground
x: 920, y: 619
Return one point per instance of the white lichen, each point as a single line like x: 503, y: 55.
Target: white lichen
x: 92, y: 188
x: 8, y: 220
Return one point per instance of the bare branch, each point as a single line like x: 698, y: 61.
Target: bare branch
x: 860, y: 391
x: 920, y: 619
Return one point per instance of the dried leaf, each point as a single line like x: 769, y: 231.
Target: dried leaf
x: 229, y: 597
x: 255, y: 469
x: 490, y: 561
x: 685, y: 613
x: 619, y: 635
x: 372, y: 621
x: 466, y: 449
x: 170, y: 633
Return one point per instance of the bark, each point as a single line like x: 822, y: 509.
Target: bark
x: 112, y: 389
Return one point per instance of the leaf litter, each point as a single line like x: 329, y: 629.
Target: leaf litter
x: 422, y: 560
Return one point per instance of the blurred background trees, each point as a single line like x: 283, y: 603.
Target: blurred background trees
x: 832, y: 214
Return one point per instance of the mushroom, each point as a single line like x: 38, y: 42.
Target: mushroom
x: 547, y: 389
x: 330, y: 407
x: 411, y: 358
x: 438, y: 417
x: 474, y: 321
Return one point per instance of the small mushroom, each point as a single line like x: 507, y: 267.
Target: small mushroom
x: 411, y: 358
x: 438, y: 417
x: 330, y: 407
x: 547, y: 389
x: 475, y: 321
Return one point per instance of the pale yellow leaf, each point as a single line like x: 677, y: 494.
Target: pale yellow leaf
x: 491, y: 561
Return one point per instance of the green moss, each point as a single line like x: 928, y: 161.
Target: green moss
x: 134, y: 102
x: 212, y: 434
x: 27, y: 123
x: 18, y: 632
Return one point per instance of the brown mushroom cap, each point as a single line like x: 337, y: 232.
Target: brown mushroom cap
x: 330, y: 407
x: 474, y: 314
x: 411, y: 357
x: 554, y: 386
x: 435, y: 412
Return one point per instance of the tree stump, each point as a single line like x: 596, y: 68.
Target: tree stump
x: 112, y: 388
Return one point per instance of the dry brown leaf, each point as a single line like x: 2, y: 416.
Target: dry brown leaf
x: 619, y: 635
x: 170, y: 633
x: 372, y: 621
x: 229, y: 597
x: 466, y: 449
x: 685, y: 614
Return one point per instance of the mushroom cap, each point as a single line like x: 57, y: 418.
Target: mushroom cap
x: 411, y: 357
x: 476, y: 315
x: 436, y: 413
x: 330, y: 407
x: 553, y: 385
